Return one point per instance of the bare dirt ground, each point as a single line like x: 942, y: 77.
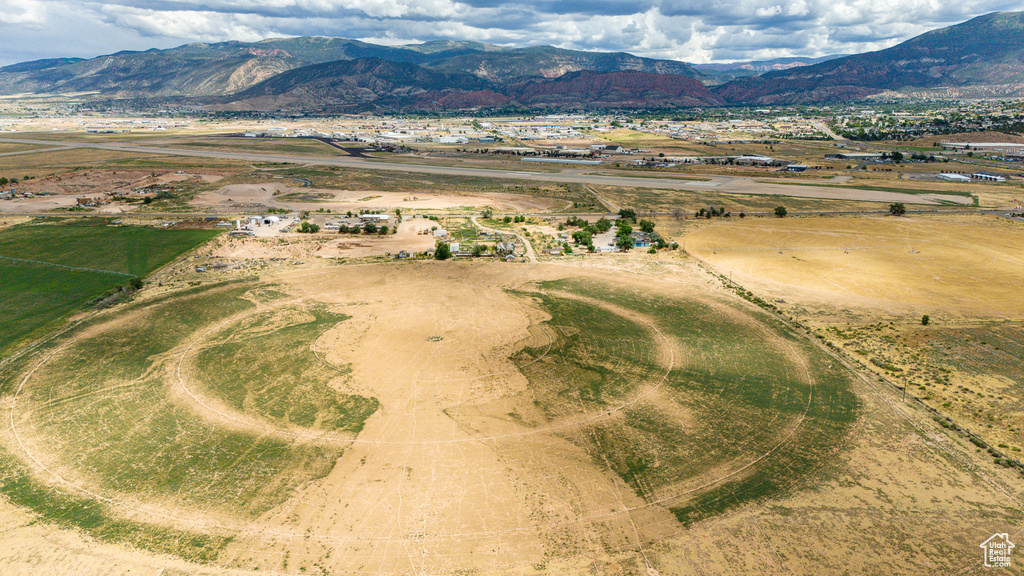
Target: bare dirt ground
x: 420, y: 493
x: 293, y: 197
x: 332, y: 245
x: 63, y: 190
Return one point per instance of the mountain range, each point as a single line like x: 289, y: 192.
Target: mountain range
x: 322, y: 75
x: 985, y: 51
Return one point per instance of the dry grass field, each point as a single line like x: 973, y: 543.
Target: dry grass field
x: 767, y: 399
x: 943, y: 265
x: 454, y: 418
x: 865, y: 284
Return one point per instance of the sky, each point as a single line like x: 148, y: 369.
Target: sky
x: 696, y: 31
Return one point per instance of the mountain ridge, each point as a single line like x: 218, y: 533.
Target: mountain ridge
x: 982, y: 55
x: 986, y: 50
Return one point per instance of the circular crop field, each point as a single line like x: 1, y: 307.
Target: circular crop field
x: 420, y: 418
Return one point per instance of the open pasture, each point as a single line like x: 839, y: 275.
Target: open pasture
x: 476, y: 417
x: 301, y: 414
x: 52, y: 268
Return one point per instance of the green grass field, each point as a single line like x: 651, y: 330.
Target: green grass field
x: 743, y: 391
x: 52, y: 268
x: 266, y: 367
x: 110, y: 380
x: 113, y: 383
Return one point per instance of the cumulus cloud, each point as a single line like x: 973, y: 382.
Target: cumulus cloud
x: 690, y: 30
x: 23, y: 12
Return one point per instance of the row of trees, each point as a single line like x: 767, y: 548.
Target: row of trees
x: 307, y: 227
x: 443, y: 251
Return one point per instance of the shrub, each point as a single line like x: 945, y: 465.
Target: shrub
x: 442, y: 252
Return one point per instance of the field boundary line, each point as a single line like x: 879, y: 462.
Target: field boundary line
x: 66, y: 266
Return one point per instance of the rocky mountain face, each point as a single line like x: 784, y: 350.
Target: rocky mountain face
x: 343, y: 85
x: 984, y: 55
x: 370, y: 83
x: 984, y: 51
x: 230, y: 67
x: 520, y: 64
x: 616, y: 90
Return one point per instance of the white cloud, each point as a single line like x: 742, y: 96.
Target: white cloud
x: 194, y: 25
x: 23, y: 12
x: 691, y: 30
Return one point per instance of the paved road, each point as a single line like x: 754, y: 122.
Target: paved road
x: 731, y: 184
x: 826, y: 130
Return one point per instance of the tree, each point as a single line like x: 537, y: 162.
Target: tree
x: 582, y: 237
x: 624, y: 242
x: 780, y: 211
x: 307, y: 228
x: 135, y: 283
x: 383, y: 230
x: 370, y: 228
x: 647, y: 226
x: 487, y: 213
x: 924, y: 320
x: 897, y: 209
x: 624, y: 230
x: 443, y: 251
x: 627, y: 213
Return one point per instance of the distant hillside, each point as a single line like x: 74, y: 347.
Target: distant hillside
x: 985, y: 51
x: 536, y: 62
x: 230, y: 67
x: 721, y: 73
x: 361, y: 84
x: 370, y: 83
x: 616, y: 90
x: 982, y: 56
